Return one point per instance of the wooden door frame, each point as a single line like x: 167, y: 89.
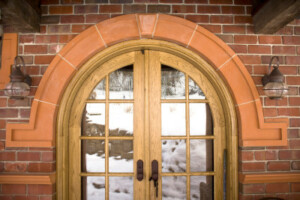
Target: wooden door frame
x: 91, y: 65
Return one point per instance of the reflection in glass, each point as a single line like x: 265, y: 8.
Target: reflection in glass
x: 120, y: 188
x: 173, y: 155
x: 99, y: 91
x: 201, y: 187
x: 172, y: 83
x: 200, y: 119
x: 120, y: 119
x: 93, y: 120
x: 121, y: 83
x: 121, y: 156
x: 173, y: 187
x: 201, y: 155
x: 194, y: 90
x: 93, y: 155
x: 93, y: 187
x: 173, y: 119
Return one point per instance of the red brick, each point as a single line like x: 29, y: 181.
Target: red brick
x: 243, y: 2
x: 293, y: 60
x: 36, y: 49
x: 2, y: 124
x: 293, y: 133
x: 43, y: 59
x: 48, y: 156
x: 29, y: 156
x: 208, y: 9
x: 146, y: 1
x: 265, y: 155
x: 295, y: 187
x: 245, y: 39
x: 79, y: 28
x: 294, y: 197
x: 279, y: 102
x: 7, y: 156
x: 53, y: 49
x: 13, y: 189
x: 221, y: 19
x: 65, y: 38
x: 242, y: 19
x: 40, y: 189
x: 2, y: 147
x: 59, y: 29
x: 8, y: 113
x: 26, y: 38
x: 253, y: 189
x: 96, y: 18
x: 266, y: 59
x: 15, y: 167
x: 297, y: 30
x: 184, y: 9
x: 289, y: 155
x: 47, y: 197
x: 72, y: 19
x: 298, y: 50
x: 198, y: 18
x: 40, y: 149
x: 159, y: 8
x: 170, y: 1
x: 249, y: 59
x: 293, y: 40
x: 49, y: 2
x: 36, y: 80
x: 135, y: 8
x: 283, y: 50
x: 269, y: 39
x: 277, y: 188
x: 61, y: 10
x: 270, y: 112
x: 20, y: 102
x: 212, y: 28
x: 253, y: 166
x: 46, y: 39
x: 71, y: 1
x: 259, y: 49
x: 294, y: 101
x: 293, y: 80
x: 226, y: 38
x: 278, y: 166
x: 289, y: 111
x: 234, y: 29
x: 3, y: 102
x: 110, y: 8
x: 233, y: 10
x: 41, y: 167
x: 295, y: 144
x: 221, y: 1
x: 194, y: 1
x: 239, y: 48
x: 286, y: 30
x: 246, y: 155
x: 86, y: 9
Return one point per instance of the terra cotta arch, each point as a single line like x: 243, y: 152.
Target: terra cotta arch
x: 253, y: 129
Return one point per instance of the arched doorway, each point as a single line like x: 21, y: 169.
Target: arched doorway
x: 147, y: 100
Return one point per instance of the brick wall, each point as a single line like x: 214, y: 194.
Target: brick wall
x: 230, y: 20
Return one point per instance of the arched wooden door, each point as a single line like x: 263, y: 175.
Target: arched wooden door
x: 149, y: 106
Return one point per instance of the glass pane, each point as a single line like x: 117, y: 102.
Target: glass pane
x: 173, y: 187
x: 121, y: 83
x: 172, y: 83
x: 194, y: 90
x: 173, y: 155
x: 121, y: 188
x: 93, y: 119
x: 121, y: 156
x: 93, y: 155
x: 173, y: 119
x: 201, y: 187
x: 99, y: 91
x: 120, y: 119
x: 93, y: 187
x: 200, y: 119
x: 201, y: 155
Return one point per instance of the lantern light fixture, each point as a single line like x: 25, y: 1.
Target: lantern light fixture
x: 273, y: 82
x: 19, y: 85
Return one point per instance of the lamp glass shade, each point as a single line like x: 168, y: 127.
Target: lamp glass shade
x: 275, y: 90
x: 17, y: 90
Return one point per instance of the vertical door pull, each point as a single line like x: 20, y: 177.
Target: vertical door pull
x: 154, y: 175
x: 140, y: 170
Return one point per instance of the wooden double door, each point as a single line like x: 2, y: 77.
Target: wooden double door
x: 147, y: 125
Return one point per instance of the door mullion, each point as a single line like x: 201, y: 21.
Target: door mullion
x: 139, y: 122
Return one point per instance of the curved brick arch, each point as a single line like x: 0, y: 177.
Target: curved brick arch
x: 254, y: 131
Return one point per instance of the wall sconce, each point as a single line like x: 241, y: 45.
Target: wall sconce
x: 273, y: 82
x: 19, y: 85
